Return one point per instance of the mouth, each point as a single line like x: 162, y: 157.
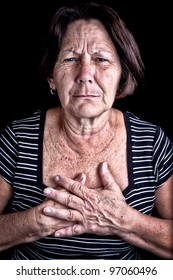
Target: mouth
x: 85, y: 96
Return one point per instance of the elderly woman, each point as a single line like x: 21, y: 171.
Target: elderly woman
x: 83, y: 179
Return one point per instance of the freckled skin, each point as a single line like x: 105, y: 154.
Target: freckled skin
x: 86, y: 130
x: 70, y: 156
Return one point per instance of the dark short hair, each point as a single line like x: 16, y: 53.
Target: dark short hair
x: 125, y: 44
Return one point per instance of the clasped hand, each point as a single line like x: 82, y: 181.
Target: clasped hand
x: 91, y: 211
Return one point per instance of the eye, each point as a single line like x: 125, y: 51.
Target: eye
x: 71, y: 59
x: 100, y: 59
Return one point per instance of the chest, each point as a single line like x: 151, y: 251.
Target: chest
x: 59, y: 159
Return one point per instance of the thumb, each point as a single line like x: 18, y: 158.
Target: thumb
x: 107, y: 178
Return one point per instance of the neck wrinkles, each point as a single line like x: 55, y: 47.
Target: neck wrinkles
x: 89, y: 135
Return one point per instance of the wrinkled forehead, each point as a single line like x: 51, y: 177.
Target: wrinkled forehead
x: 86, y: 30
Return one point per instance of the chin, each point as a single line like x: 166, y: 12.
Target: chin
x: 86, y: 114
x: 86, y: 111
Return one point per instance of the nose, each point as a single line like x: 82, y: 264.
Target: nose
x: 85, y: 74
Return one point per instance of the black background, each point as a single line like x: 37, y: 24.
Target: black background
x: 24, y: 25
x: 23, y: 30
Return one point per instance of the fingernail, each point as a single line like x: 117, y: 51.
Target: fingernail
x: 47, y: 210
x: 57, y: 178
x: 105, y: 165
x: 47, y: 191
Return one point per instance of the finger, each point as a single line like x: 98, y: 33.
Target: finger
x: 76, y: 229
x: 107, y: 178
x: 75, y: 187
x: 81, y: 178
x: 65, y: 198
x: 64, y: 214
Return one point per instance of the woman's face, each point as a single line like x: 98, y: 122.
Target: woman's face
x: 87, y: 71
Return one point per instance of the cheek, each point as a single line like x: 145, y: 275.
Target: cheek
x: 60, y: 73
x: 62, y: 76
x: 63, y: 86
x: 60, y: 79
x: 110, y: 84
x: 111, y: 81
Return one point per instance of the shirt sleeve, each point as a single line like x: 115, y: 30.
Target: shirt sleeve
x: 162, y: 157
x: 8, y: 154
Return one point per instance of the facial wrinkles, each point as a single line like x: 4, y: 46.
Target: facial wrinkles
x: 87, y: 39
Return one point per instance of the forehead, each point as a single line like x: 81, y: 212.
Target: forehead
x: 86, y: 30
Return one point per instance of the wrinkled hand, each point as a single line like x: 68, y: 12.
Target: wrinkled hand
x: 98, y: 212
x: 47, y: 223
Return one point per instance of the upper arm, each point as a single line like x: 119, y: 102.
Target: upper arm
x: 164, y: 199
x: 5, y: 194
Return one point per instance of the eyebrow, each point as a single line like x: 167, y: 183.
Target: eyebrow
x: 71, y: 50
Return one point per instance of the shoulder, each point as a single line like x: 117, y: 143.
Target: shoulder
x: 141, y: 126
x: 138, y: 128
x: 137, y: 121
x: 30, y: 124
x: 33, y: 117
x: 151, y: 140
x: 31, y: 120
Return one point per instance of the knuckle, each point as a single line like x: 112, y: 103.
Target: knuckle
x: 88, y: 205
x: 93, y: 227
x: 76, y: 230
x: 69, y: 200
x: 70, y: 215
x: 94, y: 196
x: 74, y: 186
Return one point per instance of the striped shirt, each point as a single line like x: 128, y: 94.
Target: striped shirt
x: 150, y: 164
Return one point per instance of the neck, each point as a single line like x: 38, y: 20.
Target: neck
x: 89, y: 134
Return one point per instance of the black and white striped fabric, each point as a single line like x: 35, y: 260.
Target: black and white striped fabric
x: 150, y: 164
